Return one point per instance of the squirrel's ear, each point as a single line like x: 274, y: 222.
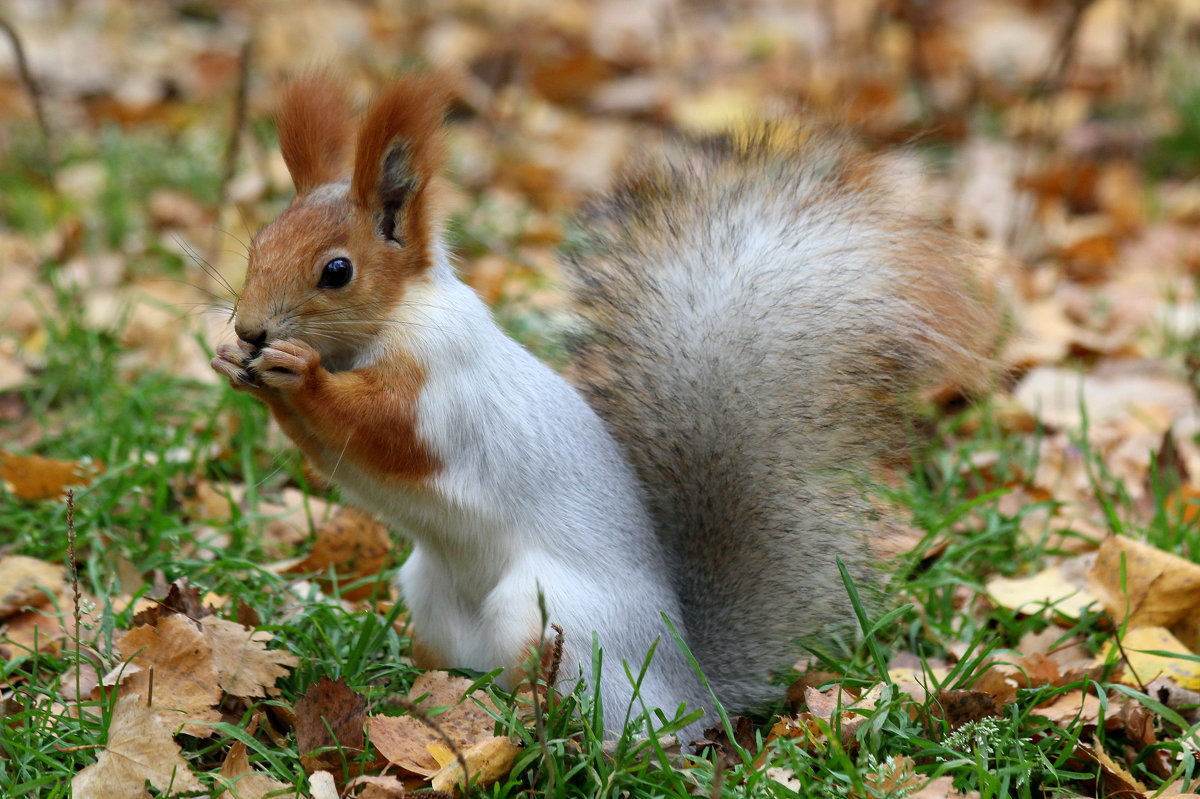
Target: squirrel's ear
x: 399, y: 153
x: 314, y: 130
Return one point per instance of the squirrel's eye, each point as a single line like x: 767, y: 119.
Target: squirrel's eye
x: 336, y: 274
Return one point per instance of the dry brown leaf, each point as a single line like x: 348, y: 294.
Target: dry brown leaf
x: 181, y: 598
x: 1148, y: 391
x: 27, y: 583
x: 140, y: 749
x: 488, y: 760
x: 29, y: 631
x: 895, y: 776
x: 403, y: 740
x: 355, y: 546
x: 246, y: 782
x: 34, y: 477
x: 329, y: 725
x: 1141, y: 586
x: 245, y: 667
x: 941, y: 788
x: 185, y: 677
x: 959, y: 707
x: 1070, y: 708
x: 371, y: 787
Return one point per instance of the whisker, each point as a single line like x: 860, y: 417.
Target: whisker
x: 245, y: 246
x: 208, y: 268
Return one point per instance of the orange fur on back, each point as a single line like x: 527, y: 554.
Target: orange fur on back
x: 314, y: 130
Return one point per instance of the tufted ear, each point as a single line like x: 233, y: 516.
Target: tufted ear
x: 399, y: 154
x: 314, y: 130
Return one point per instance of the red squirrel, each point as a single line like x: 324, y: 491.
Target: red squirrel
x: 757, y: 313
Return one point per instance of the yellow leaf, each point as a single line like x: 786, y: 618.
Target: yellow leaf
x: 1145, y: 667
x: 1048, y: 587
x: 1141, y: 586
x: 488, y: 760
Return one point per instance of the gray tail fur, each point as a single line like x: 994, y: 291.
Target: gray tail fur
x: 760, y: 313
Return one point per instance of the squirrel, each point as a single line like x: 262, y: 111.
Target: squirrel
x: 758, y: 314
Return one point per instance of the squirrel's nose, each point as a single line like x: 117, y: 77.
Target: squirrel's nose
x: 254, y: 336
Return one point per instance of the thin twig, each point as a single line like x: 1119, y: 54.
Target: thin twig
x: 78, y: 614
x: 35, y: 95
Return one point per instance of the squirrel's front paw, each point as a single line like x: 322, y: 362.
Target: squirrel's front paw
x: 286, y: 365
x: 233, y: 364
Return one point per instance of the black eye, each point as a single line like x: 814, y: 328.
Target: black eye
x: 336, y: 274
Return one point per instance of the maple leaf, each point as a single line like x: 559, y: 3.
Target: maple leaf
x: 245, y: 667
x: 140, y: 749
x: 185, y: 677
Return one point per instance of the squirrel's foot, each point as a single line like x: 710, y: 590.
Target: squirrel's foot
x: 286, y: 365
x: 233, y: 363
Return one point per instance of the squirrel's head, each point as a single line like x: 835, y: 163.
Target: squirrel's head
x: 361, y: 232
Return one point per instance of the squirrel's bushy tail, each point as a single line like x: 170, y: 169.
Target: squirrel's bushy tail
x: 760, y: 313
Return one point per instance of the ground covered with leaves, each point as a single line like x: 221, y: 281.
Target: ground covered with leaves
x: 184, y: 611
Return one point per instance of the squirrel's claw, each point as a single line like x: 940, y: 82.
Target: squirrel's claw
x: 286, y: 365
x: 231, y: 363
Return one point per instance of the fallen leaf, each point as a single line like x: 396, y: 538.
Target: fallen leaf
x: 941, y: 788
x: 181, y: 598
x: 184, y: 676
x: 488, y: 761
x: 355, y: 546
x: 959, y: 707
x: 372, y: 787
x: 1054, y: 395
x: 785, y: 777
x: 1071, y: 708
x: 29, y: 631
x: 1049, y: 587
x: 245, y: 667
x: 1141, y: 586
x: 140, y: 749
x: 33, y: 477
x: 403, y: 740
x: 245, y: 782
x: 329, y: 725
x: 895, y: 776
x: 322, y: 785
x: 1144, y: 667
x: 27, y: 583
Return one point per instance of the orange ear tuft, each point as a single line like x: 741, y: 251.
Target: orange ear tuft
x: 314, y: 130
x: 400, y: 147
